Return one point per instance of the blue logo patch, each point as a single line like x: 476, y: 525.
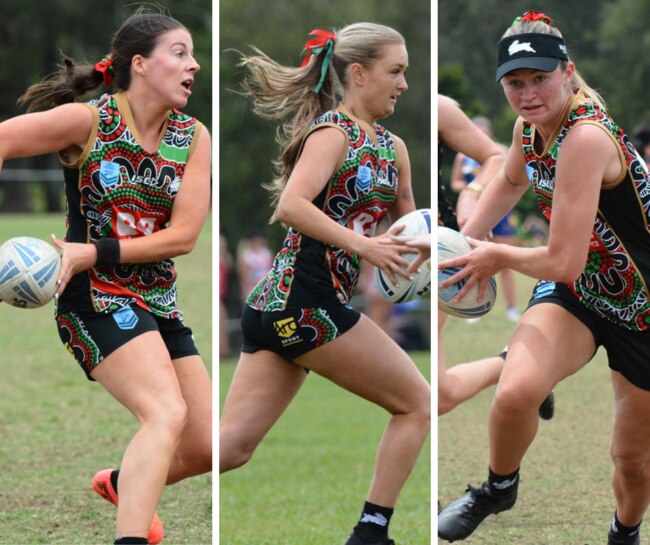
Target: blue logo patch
x: 364, y: 178
x: 109, y: 173
x: 543, y: 288
x: 125, y: 318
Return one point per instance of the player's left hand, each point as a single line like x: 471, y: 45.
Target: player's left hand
x: 75, y: 258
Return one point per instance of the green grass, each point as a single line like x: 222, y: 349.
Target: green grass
x: 308, y: 479
x: 57, y: 428
x: 565, y: 495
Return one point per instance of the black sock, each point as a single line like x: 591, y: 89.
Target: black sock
x: 374, y: 521
x: 624, y: 531
x: 125, y: 540
x: 114, y: 475
x: 503, y: 485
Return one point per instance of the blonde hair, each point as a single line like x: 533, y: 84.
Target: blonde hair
x: 578, y: 84
x: 287, y: 93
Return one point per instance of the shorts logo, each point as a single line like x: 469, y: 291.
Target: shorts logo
x: 125, y: 318
x: 286, y: 329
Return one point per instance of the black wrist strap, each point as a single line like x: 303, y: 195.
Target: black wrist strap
x: 108, y: 252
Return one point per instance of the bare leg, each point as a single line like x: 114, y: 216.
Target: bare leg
x: 141, y: 376
x: 262, y: 388
x: 548, y: 345
x: 462, y: 382
x: 194, y: 453
x: 368, y: 363
x: 630, y: 450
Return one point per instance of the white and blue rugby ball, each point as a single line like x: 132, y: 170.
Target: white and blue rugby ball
x: 29, y: 270
x: 452, y: 244
x: 415, y: 223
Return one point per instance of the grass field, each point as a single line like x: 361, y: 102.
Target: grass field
x: 57, y: 429
x: 308, y: 479
x: 565, y: 495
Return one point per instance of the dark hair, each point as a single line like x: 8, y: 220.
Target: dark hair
x: 138, y: 35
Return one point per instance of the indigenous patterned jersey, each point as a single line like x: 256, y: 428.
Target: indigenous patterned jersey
x: 117, y: 189
x: 614, y: 283
x: 310, y: 273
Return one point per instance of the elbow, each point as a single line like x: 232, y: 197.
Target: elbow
x: 185, y: 247
x: 568, y: 271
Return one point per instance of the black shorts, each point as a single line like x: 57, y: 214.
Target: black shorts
x: 293, y: 332
x: 628, y: 352
x: 92, y: 337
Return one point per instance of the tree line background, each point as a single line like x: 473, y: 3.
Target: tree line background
x: 34, y: 35
x: 608, y: 40
x: 280, y: 29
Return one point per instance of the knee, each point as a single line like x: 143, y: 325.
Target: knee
x: 516, y: 398
x: 630, y: 467
x: 420, y: 410
x: 168, y: 419
x: 234, y: 452
x: 446, y: 400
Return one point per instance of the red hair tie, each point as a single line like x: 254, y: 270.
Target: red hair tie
x: 531, y: 17
x: 105, y: 68
x: 317, y: 44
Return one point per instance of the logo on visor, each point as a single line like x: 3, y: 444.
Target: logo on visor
x: 516, y: 47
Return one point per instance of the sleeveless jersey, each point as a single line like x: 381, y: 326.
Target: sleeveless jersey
x: 310, y: 273
x: 614, y: 284
x: 119, y: 190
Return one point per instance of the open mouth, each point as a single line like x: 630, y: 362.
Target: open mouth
x: 188, y: 84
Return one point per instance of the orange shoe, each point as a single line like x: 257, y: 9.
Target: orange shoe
x: 103, y: 486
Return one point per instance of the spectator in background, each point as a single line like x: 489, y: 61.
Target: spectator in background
x: 254, y: 259
x: 225, y: 265
x: 463, y: 172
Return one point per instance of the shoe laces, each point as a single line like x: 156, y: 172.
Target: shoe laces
x: 482, y: 499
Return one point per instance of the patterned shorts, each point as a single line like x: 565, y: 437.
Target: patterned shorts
x: 92, y: 337
x: 294, y: 332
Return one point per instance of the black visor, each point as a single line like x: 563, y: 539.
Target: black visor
x: 536, y: 51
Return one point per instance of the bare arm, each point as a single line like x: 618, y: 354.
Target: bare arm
x: 458, y: 132
x: 45, y: 132
x: 588, y: 156
x: 321, y: 153
x: 503, y: 192
x: 189, y: 211
x: 404, y: 202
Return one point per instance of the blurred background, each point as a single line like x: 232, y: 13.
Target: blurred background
x: 57, y: 428
x: 247, y: 143
x: 608, y: 40
x: 35, y: 35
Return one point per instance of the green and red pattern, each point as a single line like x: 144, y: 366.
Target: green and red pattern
x: 357, y: 196
x: 79, y: 343
x: 615, y: 280
x: 323, y: 327
x: 126, y: 192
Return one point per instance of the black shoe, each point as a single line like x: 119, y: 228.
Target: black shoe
x: 615, y: 539
x: 458, y: 520
x: 547, y: 408
x: 355, y: 540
